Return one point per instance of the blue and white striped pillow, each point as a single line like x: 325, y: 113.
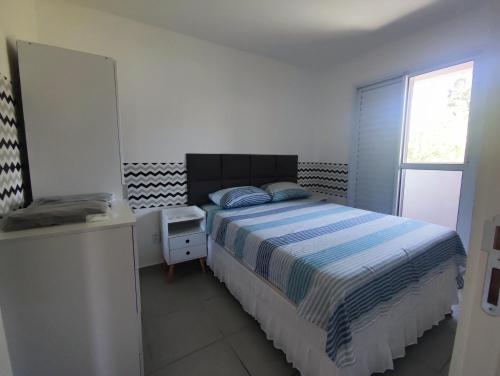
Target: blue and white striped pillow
x: 237, y: 197
x: 283, y: 191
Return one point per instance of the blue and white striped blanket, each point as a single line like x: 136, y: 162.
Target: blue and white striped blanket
x: 340, y: 266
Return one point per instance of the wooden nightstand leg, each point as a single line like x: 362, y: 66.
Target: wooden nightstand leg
x: 202, y: 264
x: 170, y: 275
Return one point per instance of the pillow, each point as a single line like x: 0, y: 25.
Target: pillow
x: 285, y: 191
x: 237, y: 197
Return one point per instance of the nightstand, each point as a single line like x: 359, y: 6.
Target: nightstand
x: 184, y: 236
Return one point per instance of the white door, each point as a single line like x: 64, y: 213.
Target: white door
x: 477, y: 343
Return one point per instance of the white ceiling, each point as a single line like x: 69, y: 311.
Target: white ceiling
x: 306, y: 33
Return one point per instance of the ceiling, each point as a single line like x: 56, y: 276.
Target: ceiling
x: 306, y: 33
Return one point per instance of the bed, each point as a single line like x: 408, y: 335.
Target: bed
x: 340, y: 290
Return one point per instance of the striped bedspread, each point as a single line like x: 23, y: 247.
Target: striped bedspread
x: 341, y: 267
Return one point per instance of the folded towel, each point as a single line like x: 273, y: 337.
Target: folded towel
x: 52, y: 214
x: 100, y: 196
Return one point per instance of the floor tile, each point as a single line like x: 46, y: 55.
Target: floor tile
x: 187, y: 290
x: 434, y: 348
x: 228, y: 314
x: 258, y: 354
x: 146, y: 352
x: 217, y: 359
x: 175, y: 335
x: 430, y: 355
x: 193, y: 326
x: 409, y: 368
x: 147, y: 360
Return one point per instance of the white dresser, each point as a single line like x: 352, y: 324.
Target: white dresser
x: 69, y: 295
x: 184, y: 236
x: 70, y: 300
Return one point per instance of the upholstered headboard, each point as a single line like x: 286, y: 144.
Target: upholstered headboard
x: 207, y: 173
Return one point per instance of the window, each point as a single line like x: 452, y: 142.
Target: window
x: 410, y: 152
x: 435, y: 147
x: 438, y: 115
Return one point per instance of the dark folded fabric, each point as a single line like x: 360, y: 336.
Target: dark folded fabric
x: 100, y: 196
x: 52, y: 214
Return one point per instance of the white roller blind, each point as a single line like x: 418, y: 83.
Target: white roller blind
x: 377, y: 145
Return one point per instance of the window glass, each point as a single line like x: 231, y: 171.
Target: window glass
x: 438, y: 115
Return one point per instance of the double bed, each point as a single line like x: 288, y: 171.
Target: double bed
x: 340, y: 290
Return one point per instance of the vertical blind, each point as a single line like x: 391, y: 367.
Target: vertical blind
x: 377, y: 145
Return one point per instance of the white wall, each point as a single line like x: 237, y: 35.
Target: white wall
x: 180, y: 94
x: 17, y: 20
x: 335, y: 88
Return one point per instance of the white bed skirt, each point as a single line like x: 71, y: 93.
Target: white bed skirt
x: 376, y: 345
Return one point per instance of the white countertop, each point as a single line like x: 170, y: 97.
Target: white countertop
x: 183, y: 214
x: 119, y: 215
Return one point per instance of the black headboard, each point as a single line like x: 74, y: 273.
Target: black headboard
x: 207, y: 173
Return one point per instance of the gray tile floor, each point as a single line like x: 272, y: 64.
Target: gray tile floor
x: 194, y: 326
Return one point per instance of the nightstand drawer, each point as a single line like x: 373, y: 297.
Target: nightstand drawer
x: 187, y: 240
x: 187, y: 253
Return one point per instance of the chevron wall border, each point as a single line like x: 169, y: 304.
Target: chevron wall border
x: 11, y: 181
x: 327, y: 178
x: 153, y: 185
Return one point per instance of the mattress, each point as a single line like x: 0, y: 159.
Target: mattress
x: 341, y: 268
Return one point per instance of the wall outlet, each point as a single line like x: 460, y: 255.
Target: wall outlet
x: 156, y: 238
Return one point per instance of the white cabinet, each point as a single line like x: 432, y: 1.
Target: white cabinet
x: 70, y: 300
x: 69, y: 295
x: 184, y: 236
x: 188, y: 240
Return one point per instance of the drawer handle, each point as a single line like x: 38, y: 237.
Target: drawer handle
x: 188, y: 253
x: 187, y: 241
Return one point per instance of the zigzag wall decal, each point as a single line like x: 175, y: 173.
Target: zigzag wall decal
x: 10, y: 167
x: 6, y: 96
x: 11, y: 181
x: 327, y: 178
x: 7, y: 120
x: 152, y: 185
x: 6, y: 144
x: 7, y: 192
